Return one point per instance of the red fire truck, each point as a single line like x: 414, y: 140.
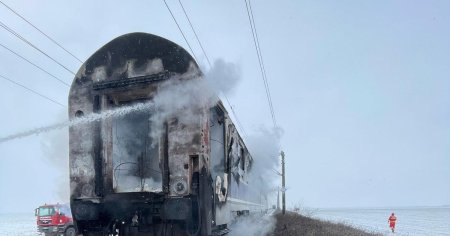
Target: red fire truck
x: 55, y: 219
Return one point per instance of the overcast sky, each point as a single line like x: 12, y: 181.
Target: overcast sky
x: 360, y: 88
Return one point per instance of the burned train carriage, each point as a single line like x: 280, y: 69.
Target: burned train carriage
x: 135, y: 172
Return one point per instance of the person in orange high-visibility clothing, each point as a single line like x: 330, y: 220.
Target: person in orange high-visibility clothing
x: 391, y: 221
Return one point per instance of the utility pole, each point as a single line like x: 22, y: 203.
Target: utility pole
x: 283, y: 188
x: 278, y: 198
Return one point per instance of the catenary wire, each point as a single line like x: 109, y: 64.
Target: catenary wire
x: 31, y: 90
x: 210, y: 66
x: 40, y: 68
x: 50, y: 38
x: 33, y: 46
x: 195, y: 33
x: 237, y: 119
x: 175, y: 20
x: 262, y: 61
x: 269, y: 100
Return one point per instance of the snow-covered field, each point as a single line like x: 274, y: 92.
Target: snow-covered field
x: 18, y: 224
x: 410, y: 221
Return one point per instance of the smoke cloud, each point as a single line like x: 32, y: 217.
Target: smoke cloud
x: 182, y: 99
x: 264, y: 146
x: 55, y: 148
x: 223, y: 77
x: 173, y: 96
x: 185, y: 98
x: 253, y: 225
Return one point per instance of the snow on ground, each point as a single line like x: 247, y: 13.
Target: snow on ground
x: 410, y: 221
x: 18, y: 224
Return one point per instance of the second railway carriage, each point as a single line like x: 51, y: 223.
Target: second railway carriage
x: 134, y: 171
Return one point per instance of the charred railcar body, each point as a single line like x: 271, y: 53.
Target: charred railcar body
x: 128, y: 177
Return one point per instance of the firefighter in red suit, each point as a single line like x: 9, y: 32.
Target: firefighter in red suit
x: 391, y: 221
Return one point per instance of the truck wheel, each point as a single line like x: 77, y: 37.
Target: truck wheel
x: 70, y: 232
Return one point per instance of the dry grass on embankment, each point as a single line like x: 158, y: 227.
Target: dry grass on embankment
x: 295, y: 224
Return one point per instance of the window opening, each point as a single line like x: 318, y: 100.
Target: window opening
x: 136, y: 166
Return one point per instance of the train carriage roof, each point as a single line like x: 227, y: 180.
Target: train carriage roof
x: 139, y: 48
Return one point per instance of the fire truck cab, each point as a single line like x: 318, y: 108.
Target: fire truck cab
x: 55, y: 220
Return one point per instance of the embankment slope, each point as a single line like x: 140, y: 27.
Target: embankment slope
x: 296, y: 224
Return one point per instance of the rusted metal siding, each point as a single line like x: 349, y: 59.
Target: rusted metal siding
x: 81, y: 155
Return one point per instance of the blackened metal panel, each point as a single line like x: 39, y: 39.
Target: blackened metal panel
x: 166, y: 174
x: 131, y: 52
x: 131, y: 82
x: 81, y: 158
x: 98, y: 157
x: 107, y: 146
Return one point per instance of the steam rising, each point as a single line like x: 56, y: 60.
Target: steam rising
x: 55, y: 147
x: 174, y: 96
x: 183, y: 99
x: 223, y: 77
x: 264, y: 145
x: 254, y: 225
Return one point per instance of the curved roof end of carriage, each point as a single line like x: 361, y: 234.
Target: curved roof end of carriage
x: 134, y: 55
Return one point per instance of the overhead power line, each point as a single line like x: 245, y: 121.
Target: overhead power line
x: 50, y: 38
x: 175, y: 20
x: 210, y: 66
x: 235, y: 116
x: 40, y: 68
x: 31, y: 90
x: 262, y: 62
x: 33, y: 46
x: 195, y: 33
x: 260, y: 59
